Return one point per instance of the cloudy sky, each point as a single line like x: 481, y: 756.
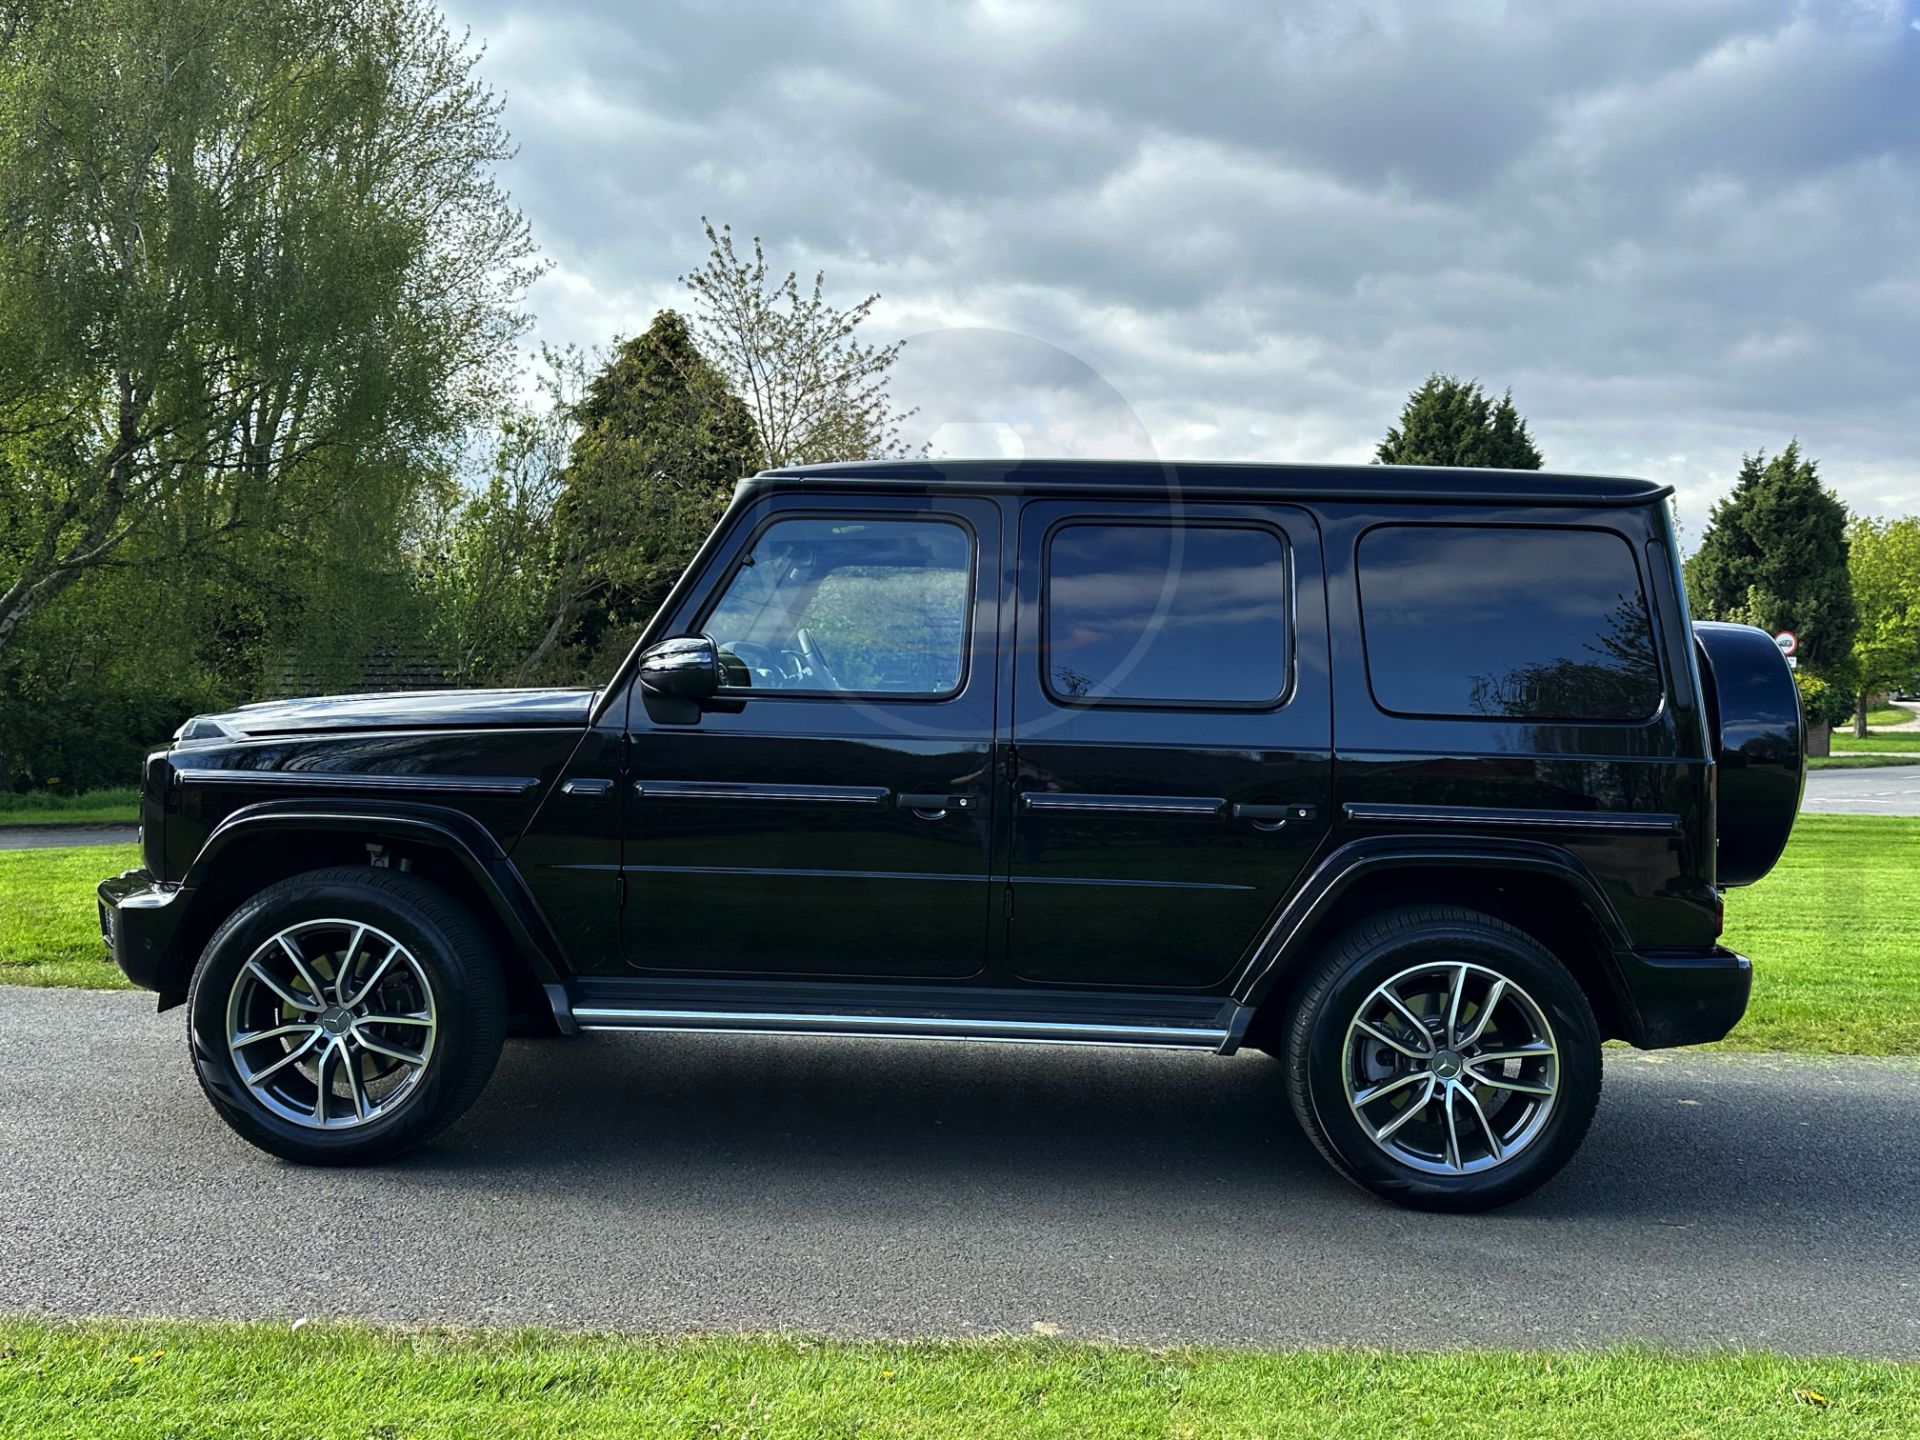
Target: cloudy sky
x: 1678, y: 229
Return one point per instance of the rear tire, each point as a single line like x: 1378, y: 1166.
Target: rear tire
x: 1481, y: 1104
x: 345, y: 1015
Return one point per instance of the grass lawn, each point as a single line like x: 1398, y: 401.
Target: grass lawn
x: 1859, y: 762
x: 1834, y: 933
x: 104, y: 1380
x: 1888, y: 715
x: 95, y: 806
x: 1844, y: 743
x: 49, y: 924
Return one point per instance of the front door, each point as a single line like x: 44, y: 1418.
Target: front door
x: 1171, y: 736
x: 831, y: 816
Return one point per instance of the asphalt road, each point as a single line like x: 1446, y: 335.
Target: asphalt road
x: 46, y: 837
x: 1881, y: 790
x: 685, y: 1183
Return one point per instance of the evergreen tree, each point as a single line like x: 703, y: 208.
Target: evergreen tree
x: 1775, y: 555
x: 660, y: 444
x: 1450, y: 421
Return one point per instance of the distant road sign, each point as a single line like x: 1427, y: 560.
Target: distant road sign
x: 1787, y: 641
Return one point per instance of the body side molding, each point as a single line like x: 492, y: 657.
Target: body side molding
x: 1504, y: 818
x: 756, y: 791
x: 363, y: 780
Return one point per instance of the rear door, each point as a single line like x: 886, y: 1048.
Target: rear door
x: 1170, y: 736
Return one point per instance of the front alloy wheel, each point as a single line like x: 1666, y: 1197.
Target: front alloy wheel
x: 344, y: 1015
x: 330, y: 1024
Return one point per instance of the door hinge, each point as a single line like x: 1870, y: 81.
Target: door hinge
x: 1008, y: 892
x: 1013, y: 766
x: 620, y: 889
x: 626, y: 752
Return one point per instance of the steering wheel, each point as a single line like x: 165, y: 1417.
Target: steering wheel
x: 763, y: 663
x: 817, y: 658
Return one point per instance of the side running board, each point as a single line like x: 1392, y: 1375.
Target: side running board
x: 1215, y: 1022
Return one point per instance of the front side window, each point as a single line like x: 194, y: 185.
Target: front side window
x: 848, y: 606
x: 1166, y: 614
x: 1506, y: 622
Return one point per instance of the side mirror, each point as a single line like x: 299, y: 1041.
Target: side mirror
x: 684, y: 668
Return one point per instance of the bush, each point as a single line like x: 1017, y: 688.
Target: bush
x: 1822, y: 701
x: 82, y: 739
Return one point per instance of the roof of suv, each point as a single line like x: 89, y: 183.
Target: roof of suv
x: 1369, y: 482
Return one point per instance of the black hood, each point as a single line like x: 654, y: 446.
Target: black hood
x: 401, y: 710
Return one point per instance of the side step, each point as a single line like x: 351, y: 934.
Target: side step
x: 1059, y: 1017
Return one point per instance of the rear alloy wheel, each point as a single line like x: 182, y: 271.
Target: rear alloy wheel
x: 1451, y: 1068
x: 345, y: 1015
x: 1443, y: 1059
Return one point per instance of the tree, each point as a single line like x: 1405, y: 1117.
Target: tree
x: 489, y: 570
x: 1450, y: 421
x: 659, y: 444
x: 252, y: 257
x: 1774, y: 554
x: 812, y: 391
x: 1883, y: 561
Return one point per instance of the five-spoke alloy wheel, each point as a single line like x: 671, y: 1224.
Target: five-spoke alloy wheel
x: 346, y: 1014
x: 1442, y: 1058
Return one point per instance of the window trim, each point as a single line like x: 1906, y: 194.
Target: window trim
x: 1652, y: 718
x: 1288, y: 627
x: 868, y: 516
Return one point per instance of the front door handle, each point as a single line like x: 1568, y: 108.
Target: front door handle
x: 932, y: 807
x: 1273, y: 817
x: 587, y: 789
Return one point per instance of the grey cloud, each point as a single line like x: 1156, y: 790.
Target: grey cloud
x: 1678, y: 228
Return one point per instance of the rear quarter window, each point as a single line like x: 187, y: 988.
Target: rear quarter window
x: 1506, y: 622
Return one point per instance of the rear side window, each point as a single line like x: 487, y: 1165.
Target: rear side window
x: 1165, y: 615
x: 1506, y: 622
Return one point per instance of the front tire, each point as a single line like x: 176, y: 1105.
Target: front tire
x: 1442, y: 1059
x: 345, y: 1015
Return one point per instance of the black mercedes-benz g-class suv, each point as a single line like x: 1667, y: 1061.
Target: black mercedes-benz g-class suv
x: 1418, y: 780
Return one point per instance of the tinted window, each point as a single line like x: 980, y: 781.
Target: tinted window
x: 1506, y: 622
x: 1163, y: 613
x: 848, y: 606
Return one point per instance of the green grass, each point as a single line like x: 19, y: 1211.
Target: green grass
x: 106, y: 1380
x: 1888, y: 715
x: 1859, y: 762
x: 49, y: 924
x: 1844, y: 742
x: 1834, y: 933
x: 38, y: 807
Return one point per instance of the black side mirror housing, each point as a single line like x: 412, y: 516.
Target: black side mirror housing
x: 686, y: 667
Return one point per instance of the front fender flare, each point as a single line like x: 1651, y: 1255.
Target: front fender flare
x: 453, y: 832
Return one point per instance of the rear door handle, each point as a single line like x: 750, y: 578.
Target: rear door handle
x: 1273, y: 817
x: 932, y: 807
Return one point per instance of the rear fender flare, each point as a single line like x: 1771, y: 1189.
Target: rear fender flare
x: 1289, y: 937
